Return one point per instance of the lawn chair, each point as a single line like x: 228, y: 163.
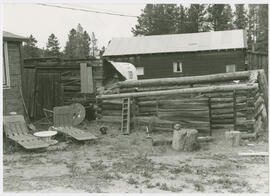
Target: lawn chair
x: 16, y: 130
x: 63, y: 118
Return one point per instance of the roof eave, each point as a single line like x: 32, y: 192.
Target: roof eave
x: 14, y: 39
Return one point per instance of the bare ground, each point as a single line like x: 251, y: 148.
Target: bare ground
x: 130, y: 164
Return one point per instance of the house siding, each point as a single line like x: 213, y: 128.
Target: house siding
x: 12, y: 100
x: 193, y: 63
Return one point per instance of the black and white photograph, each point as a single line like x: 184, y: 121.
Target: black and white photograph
x: 134, y: 97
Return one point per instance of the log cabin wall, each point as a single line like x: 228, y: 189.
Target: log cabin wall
x: 235, y: 109
x: 54, y: 82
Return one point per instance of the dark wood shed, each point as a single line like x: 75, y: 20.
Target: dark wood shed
x: 161, y: 56
x: 50, y: 82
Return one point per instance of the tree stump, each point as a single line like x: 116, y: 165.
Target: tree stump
x: 233, y: 138
x: 185, y: 140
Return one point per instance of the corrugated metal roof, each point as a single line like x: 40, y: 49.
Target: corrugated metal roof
x: 127, y: 70
x: 12, y: 36
x: 216, y: 40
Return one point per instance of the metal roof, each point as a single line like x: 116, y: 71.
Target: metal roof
x: 13, y: 37
x: 191, y: 42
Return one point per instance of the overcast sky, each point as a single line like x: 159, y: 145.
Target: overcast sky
x: 41, y: 21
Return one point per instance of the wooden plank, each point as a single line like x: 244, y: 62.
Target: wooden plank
x: 86, y: 78
x: 253, y: 153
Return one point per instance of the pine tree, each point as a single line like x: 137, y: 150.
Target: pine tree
x: 94, y: 48
x: 240, y: 17
x: 30, y: 50
x: 220, y: 16
x: 196, y: 17
x: 262, y: 31
x: 252, y: 25
x: 156, y: 19
x: 181, y: 24
x: 78, y: 44
x: 52, y: 47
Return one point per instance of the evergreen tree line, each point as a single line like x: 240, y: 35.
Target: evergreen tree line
x: 79, y: 45
x: 157, y: 19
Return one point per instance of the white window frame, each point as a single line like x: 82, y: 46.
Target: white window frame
x: 140, y: 71
x: 175, y: 65
x: 5, y: 68
x: 228, y: 67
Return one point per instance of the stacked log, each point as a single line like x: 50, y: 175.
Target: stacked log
x: 110, y: 111
x: 200, y: 102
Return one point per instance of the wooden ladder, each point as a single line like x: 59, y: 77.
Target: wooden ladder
x: 125, y: 127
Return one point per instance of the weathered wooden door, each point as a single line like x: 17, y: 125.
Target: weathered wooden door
x: 48, y: 92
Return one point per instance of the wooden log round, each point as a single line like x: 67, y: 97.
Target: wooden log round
x: 233, y: 138
x: 185, y: 140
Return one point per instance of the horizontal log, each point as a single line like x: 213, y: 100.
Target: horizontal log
x: 219, y: 94
x: 222, y: 126
x: 222, y: 111
x: 222, y: 121
x: 181, y: 91
x: 221, y: 99
x: 147, y: 109
x: 111, y: 107
x: 155, y: 119
x: 110, y: 119
x: 180, y: 113
x: 186, y: 80
x: 112, y: 102
x: 223, y: 116
x: 111, y: 112
x: 152, y: 88
x: 189, y: 122
x: 221, y: 105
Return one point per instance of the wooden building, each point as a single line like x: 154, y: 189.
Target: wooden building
x: 50, y: 82
x: 161, y: 56
x: 12, y: 73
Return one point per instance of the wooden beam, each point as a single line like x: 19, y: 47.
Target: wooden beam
x: 186, y: 80
x: 220, y: 88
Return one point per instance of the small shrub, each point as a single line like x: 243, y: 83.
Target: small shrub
x: 131, y: 180
x: 164, y: 187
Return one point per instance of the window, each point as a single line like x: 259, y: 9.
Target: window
x: 177, y: 67
x: 6, y: 78
x: 230, y: 68
x: 140, y: 71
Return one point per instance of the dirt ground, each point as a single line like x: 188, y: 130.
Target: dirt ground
x: 119, y: 163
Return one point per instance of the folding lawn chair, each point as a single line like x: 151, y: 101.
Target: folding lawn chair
x: 63, y: 118
x: 16, y: 130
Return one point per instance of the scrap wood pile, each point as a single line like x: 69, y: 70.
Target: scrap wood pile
x: 220, y: 101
